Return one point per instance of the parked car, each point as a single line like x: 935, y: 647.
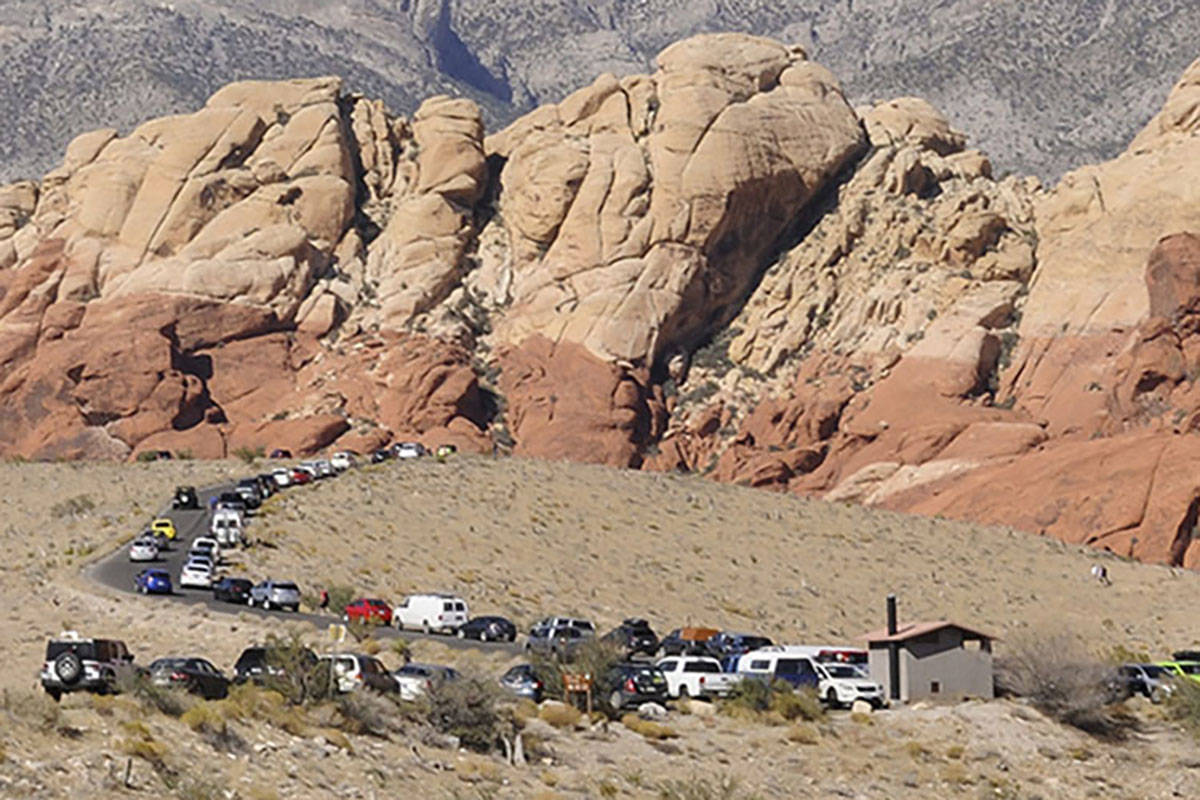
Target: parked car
x: 185, y: 499
x: 196, y: 574
x: 195, y: 675
x: 266, y: 484
x: 206, y: 545
x: 279, y: 452
x: 342, y: 461
x: 248, y: 492
x: 276, y: 594
x: 442, y: 613
x: 153, y: 581
x: 634, y: 636
x: 726, y: 644
x: 380, y: 455
x: 523, y: 681
x: 231, y: 500
x: 371, y: 611
x: 775, y: 663
x: 165, y: 527
x: 257, y: 664
x: 1181, y: 669
x: 415, y: 679
x: 75, y: 664
x: 324, y: 469
x: 144, y: 548
x: 583, y: 625
x: 488, y: 629
x: 226, y: 527
x: 687, y: 641
x: 301, y: 476
x: 283, y: 477
x: 696, y: 676
x: 232, y: 590
x: 632, y: 684
x: 842, y: 684
x: 444, y: 451
x: 560, y: 642
x: 354, y: 671
x: 1151, y: 681
x: 407, y: 450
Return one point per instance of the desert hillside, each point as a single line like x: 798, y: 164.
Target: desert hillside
x: 1042, y: 86
x: 721, y: 267
x: 528, y: 538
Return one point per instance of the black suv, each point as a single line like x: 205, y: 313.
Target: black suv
x: 631, y: 684
x: 185, y: 499
x: 634, y: 636
x: 252, y: 665
x: 74, y: 664
x: 232, y: 590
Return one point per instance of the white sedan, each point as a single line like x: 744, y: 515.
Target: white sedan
x: 197, y: 575
x: 282, y: 476
x: 144, y: 549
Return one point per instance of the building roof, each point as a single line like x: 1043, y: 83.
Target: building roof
x: 913, y: 630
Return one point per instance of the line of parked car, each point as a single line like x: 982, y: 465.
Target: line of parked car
x: 687, y: 662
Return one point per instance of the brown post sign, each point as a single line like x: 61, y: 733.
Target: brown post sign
x: 578, y: 683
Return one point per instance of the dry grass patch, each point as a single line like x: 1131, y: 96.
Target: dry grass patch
x: 560, y: 715
x: 655, y: 731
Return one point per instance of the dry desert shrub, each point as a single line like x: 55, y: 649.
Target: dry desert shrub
x: 1183, y: 705
x: 560, y: 715
x: 365, y: 712
x: 470, y: 709
x: 650, y: 729
x: 700, y: 788
x: 803, y: 733
x: 774, y: 702
x: 34, y: 709
x: 1063, y: 681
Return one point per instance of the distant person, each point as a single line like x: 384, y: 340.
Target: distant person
x: 324, y: 599
x: 1100, y: 573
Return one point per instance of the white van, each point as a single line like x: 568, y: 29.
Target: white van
x: 443, y: 613
x: 226, y: 527
x: 777, y: 663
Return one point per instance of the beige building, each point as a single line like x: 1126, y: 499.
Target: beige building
x: 933, y: 660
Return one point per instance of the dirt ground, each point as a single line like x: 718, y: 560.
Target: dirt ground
x: 526, y: 539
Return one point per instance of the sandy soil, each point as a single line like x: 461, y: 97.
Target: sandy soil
x: 528, y: 538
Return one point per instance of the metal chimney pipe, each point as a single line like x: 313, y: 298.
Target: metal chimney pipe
x: 893, y: 651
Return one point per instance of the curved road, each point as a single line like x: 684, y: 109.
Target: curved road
x: 116, y: 571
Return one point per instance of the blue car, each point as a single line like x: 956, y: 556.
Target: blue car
x: 153, y: 581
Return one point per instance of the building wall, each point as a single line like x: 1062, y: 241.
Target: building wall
x: 940, y: 657
x: 959, y: 673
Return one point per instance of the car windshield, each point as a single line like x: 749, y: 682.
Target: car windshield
x: 288, y: 587
x: 1154, y: 671
x: 167, y: 663
x: 415, y: 671
x: 842, y: 671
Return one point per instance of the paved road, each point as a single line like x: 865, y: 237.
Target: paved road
x: 115, y: 570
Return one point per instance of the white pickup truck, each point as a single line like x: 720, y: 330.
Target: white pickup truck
x: 696, y: 676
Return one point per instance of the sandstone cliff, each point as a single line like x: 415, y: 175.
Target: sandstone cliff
x: 718, y: 267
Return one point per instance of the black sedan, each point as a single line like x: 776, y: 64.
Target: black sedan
x: 488, y: 629
x: 232, y: 590
x: 196, y: 675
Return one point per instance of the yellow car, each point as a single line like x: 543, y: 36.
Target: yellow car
x: 164, y: 527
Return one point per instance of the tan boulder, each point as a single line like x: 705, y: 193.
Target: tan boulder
x: 911, y: 120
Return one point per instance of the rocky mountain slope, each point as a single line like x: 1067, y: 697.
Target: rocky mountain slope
x: 719, y: 267
x: 1035, y: 84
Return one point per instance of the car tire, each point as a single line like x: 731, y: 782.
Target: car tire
x: 614, y: 701
x: 295, y: 608
x: 461, y: 634
x: 55, y: 694
x: 683, y: 692
x: 831, y: 698
x: 428, y: 631
x: 68, y: 667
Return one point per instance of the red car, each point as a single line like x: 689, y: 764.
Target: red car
x: 369, y: 611
x: 301, y: 476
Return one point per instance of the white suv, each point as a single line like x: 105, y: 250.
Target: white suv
x: 75, y: 664
x: 443, y: 613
